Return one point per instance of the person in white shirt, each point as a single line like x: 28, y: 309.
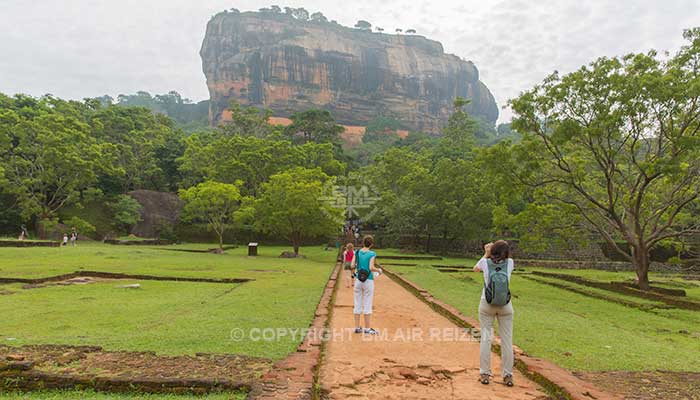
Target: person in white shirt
x: 499, y: 254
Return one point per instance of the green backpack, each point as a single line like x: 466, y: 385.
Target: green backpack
x: 496, y: 290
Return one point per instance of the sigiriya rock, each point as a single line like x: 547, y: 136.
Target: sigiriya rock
x: 289, y: 65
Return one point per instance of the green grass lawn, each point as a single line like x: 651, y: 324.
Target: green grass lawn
x: 167, y: 317
x: 576, y: 331
x: 80, y: 395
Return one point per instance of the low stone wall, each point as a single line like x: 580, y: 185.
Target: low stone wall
x: 626, y: 289
x: 571, y: 264
x: 23, y: 377
x: 111, y: 275
x: 28, y: 243
x: 42, y: 367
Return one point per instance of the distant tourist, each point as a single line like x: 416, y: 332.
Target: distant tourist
x: 73, y: 237
x: 348, y: 261
x: 65, y: 239
x: 497, y: 267
x: 23, y: 234
x: 364, y: 285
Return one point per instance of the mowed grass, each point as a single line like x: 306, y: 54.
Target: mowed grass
x: 80, y: 395
x: 163, y: 316
x: 573, y: 330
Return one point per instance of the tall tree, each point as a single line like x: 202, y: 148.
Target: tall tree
x: 247, y: 121
x: 293, y: 204
x: 250, y: 160
x: 314, y: 125
x: 127, y: 212
x: 458, y: 136
x: 619, y: 141
x: 134, y: 135
x: 212, y: 203
x: 48, y: 154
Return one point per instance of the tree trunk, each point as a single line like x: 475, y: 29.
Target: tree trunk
x: 296, y: 243
x: 221, y: 241
x: 641, y: 266
x: 445, y: 245
x: 427, y: 244
x: 40, y: 226
x: 40, y: 231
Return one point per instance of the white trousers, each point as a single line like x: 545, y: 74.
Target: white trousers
x: 364, y: 294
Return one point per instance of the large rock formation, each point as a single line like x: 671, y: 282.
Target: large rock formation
x: 289, y: 65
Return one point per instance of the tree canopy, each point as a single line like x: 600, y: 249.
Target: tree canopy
x: 212, y: 203
x: 617, y: 141
x: 293, y: 204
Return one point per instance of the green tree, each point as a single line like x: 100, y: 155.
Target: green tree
x: 364, y: 25
x: 314, y: 125
x: 294, y: 205
x: 458, y: 136
x: 212, y: 203
x: 247, y: 121
x: 432, y: 195
x: 318, y: 17
x: 618, y: 141
x: 382, y: 124
x: 133, y: 135
x: 250, y: 160
x: 188, y: 115
x: 302, y: 14
x: 82, y: 227
x: 127, y: 211
x: 49, y: 156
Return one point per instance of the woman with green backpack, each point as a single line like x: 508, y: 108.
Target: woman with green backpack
x: 497, y: 267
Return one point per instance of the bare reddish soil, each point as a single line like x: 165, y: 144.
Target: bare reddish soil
x: 401, y: 365
x: 92, y: 361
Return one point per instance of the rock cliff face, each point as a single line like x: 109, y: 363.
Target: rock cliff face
x: 288, y: 65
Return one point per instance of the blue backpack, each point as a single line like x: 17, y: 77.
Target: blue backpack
x: 496, y: 291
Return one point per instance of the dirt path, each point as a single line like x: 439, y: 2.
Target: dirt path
x: 418, y: 355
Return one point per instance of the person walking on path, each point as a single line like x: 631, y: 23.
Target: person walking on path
x: 497, y: 267
x: 348, y: 263
x: 364, y: 285
x: 73, y: 237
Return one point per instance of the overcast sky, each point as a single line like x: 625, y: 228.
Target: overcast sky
x: 87, y: 48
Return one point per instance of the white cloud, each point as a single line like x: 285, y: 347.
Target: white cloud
x: 82, y: 48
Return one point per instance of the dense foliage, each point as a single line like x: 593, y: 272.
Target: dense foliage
x: 616, y: 144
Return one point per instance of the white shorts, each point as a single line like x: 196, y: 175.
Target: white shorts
x: 364, y: 294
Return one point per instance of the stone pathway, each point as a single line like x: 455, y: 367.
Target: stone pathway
x: 419, y: 354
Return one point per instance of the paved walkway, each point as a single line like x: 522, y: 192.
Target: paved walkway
x: 418, y: 355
